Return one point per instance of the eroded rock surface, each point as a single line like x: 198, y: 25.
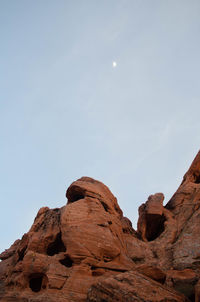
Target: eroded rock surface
x: 87, y: 250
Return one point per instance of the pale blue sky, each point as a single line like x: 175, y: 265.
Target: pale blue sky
x: 65, y: 112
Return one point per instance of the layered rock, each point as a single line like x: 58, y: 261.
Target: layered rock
x: 87, y: 250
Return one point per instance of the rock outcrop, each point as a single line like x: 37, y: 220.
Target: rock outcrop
x: 88, y: 251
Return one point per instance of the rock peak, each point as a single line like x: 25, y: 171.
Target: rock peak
x: 193, y: 173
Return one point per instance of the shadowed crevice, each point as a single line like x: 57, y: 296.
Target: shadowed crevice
x: 197, y: 178
x: 37, y: 282
x: 67, y: 261
x: 56, y: 247
x: 75, y: 193
x: 106, y: 208
x: 21, y: 254
x: 155, y: 226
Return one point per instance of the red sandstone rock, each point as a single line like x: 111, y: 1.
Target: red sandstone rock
x: 151, y: 217
x: 183, y: 281
x: 88, y: 251
x: 131, y: 287
x: 152, y: 272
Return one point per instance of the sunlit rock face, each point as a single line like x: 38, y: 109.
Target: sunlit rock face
x: 87, y: 250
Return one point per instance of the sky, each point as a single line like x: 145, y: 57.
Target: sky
x: 66, y: 111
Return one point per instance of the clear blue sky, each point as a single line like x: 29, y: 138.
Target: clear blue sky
x: 65, y: 112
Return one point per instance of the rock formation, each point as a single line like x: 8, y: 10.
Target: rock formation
x: 87, y: 250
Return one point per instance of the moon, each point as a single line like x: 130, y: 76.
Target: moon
x: 114, y: 64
